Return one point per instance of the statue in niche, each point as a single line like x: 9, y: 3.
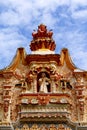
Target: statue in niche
x: 44, y: 82
x: 27, y: 85
x: 65, y: 84
x: 24, y: 86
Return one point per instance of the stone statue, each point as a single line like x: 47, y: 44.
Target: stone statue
x: 44, y: 82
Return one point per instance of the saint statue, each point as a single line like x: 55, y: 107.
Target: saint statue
x: 44, y: 82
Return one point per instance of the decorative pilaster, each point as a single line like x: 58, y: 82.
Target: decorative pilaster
x: 53, y: 85
x: 6, y: 104
x: 80, y: 101
x: 35, y: 84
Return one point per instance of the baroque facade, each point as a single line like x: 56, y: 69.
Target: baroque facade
x: 43, y: 90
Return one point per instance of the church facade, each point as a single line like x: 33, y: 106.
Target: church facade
x: 43, y: 90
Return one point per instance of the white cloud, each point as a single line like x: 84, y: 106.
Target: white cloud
x: 82, y: 14
x: 9, y: 41
x: 76, y: 43
x: 9, y: 18
x: 78, y: 2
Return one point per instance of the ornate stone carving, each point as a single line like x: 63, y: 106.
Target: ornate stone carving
x: 61, y: 127
x: 42, y: 32
x: 43, y: 127
x: 34, y: 101
x: 42, y: 39
x: 25, y: 127
x: 34, y: 127
x: 62, y: 95
x: 52, y: 127
x: 6, y: 110
x: 43, y: 99
x: 44, y: 82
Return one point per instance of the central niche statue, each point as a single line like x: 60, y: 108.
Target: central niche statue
x: 43, y: 83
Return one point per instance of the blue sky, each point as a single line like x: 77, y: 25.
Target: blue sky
x: 67, y: 19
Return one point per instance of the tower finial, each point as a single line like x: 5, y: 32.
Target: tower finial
x: 42, y: 39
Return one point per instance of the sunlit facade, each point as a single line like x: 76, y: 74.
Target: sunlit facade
x: 43, y: 90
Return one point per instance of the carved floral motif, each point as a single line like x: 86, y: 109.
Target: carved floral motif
x: 43, y: 99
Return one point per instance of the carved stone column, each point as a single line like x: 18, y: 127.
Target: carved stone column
x: 35, y: 84
x: 6, y: 103
x: 53, y: 85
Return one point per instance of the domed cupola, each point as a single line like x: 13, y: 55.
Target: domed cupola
x: 42, y: 42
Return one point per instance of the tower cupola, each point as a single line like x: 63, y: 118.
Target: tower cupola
x: 42, y: 42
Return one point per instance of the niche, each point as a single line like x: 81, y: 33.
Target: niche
x: 43, y: 82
